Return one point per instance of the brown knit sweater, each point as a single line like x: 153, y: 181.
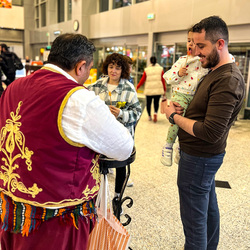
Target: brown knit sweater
x: 215, y: 106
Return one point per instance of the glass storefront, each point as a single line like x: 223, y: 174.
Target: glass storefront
x: 98, y: 61
x: 166, y: 56
x: 241, y: 53
x: 139, y: 56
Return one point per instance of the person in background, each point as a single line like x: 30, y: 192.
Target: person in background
x: 184, y: 76
x: 121, y: 98
x: 27, y: 59
x: 9, y: 59
x: 203, y: 133
x: 52, y: 132
x: 3, y: 67
x: 155, y: 86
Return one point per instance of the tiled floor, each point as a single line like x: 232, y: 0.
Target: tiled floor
x: 155, y: 215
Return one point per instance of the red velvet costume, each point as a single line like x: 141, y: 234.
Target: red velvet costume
x: 49, y: 160
x: 40, y: 166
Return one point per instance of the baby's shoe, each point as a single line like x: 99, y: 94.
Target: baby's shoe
x: 166, y: 158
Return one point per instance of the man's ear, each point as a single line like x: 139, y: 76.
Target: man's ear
x: 80, y: 66
x: 220, y: 44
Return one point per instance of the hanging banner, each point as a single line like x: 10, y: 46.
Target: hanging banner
x: 5, y: 3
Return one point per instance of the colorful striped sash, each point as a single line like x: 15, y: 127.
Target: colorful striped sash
x: 23, y: 218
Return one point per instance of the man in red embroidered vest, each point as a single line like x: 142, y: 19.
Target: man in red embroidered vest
x: 52, y: 132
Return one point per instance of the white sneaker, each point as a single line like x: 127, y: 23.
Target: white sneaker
x: 177, y: 155
x: 166, y: 158
x: 130, y: 183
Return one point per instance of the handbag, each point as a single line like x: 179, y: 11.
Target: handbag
x: 108, y: 233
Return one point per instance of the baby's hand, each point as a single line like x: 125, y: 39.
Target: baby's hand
x: 182, y: 71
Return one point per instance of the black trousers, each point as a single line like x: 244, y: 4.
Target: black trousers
x: 149, y: 99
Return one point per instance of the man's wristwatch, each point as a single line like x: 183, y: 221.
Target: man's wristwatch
x: 171, y: 118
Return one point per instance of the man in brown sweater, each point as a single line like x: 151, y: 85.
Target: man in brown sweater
x: 203, y: 133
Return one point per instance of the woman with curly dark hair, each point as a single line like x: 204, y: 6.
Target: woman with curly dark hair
x: 120, y: 95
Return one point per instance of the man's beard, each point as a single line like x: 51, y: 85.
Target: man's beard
x: 212, y: 59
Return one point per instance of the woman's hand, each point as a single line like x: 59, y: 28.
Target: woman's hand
x: 115, y: 111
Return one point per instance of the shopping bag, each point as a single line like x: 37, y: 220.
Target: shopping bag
x: 108, y: 233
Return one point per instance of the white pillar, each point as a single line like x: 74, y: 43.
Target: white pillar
x: 150, y: 46
x: 110, y: 4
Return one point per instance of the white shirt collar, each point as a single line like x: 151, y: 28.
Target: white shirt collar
x: 52, y: 66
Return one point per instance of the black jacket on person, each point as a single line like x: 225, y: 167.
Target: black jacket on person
x: 3, y: 68
x: 10, y: 69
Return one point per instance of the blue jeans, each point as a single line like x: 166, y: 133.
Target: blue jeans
x: 198, y: 203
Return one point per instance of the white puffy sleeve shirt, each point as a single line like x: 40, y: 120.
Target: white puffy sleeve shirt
x: 87, y: 120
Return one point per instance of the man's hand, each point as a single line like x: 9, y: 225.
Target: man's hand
x: 178, y: 108
x: 168, y: 107
x: 115, y: 111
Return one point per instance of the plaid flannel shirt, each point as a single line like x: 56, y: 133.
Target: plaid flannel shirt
x: 124, y: 92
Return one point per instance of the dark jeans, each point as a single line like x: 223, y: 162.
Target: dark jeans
x: 198, y: 203
x: 149, y: 99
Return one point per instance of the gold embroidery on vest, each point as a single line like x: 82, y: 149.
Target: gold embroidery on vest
x: 96, y: 176
x: 10, y: 138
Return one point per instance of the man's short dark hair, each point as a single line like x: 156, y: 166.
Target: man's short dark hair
x: 214, y: 27
x: 120, y: 60
x: 69, y: 49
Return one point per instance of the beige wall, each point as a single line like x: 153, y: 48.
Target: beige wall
x: 128, y: 25
x: 12, y: 26
x: 12, y: 18
x: 172, y: 19
x: 170, y: 15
